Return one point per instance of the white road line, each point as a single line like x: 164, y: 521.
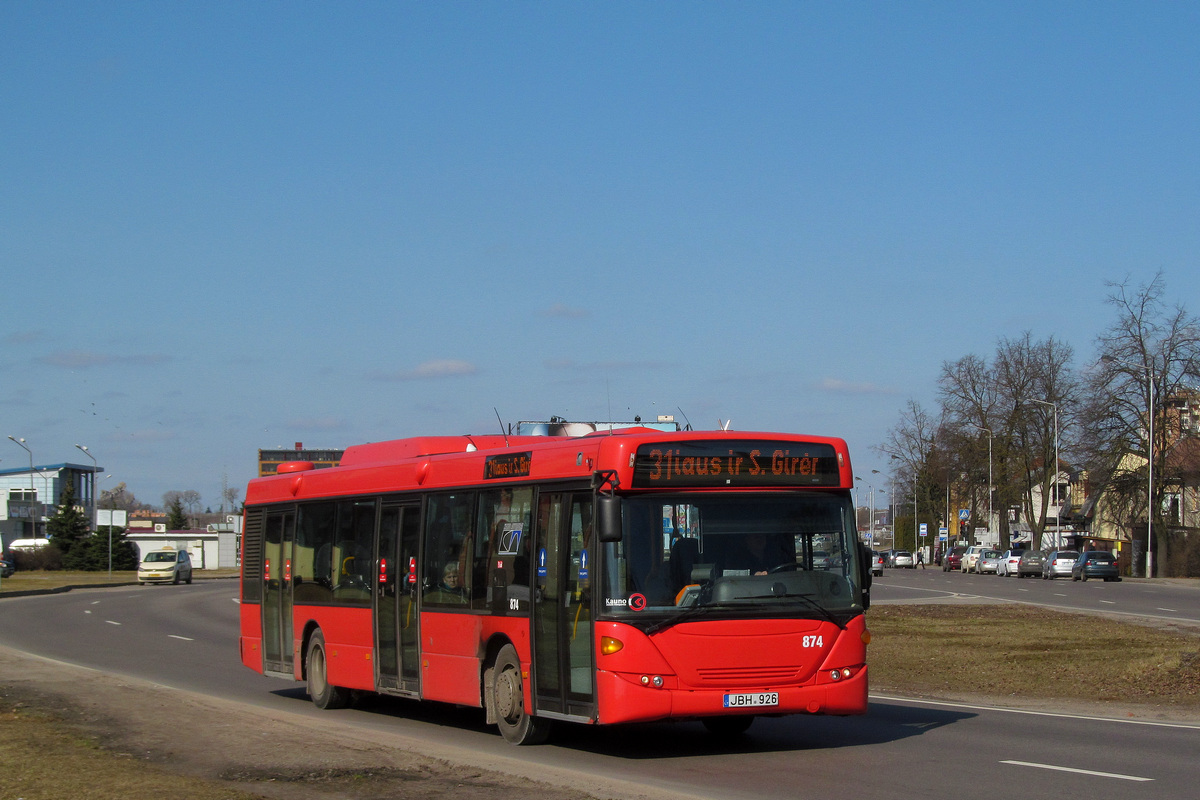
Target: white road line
x: 1109, y: 602
x: 110, y: 622
x: 1079, y: 771
x: 184, y: 638
x: 1172, y: 610
x: 1029, y: 712
x: 87, y: 611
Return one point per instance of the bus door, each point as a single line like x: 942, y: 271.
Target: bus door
x: 396, y: 588
x: 563, y: 658
x: 279, y: 533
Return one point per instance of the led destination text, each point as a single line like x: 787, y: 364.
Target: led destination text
x: 750, y: 464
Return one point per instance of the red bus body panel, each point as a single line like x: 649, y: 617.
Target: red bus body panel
x: 772, y: 656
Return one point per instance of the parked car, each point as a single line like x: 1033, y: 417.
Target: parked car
x: 7, y: 568
x: 876, y: 563
x: 165, y: 566
x: 988, y: 561
x: 1008, y: 565
x: 1059, y: 563
x: 1031, y: 563
x: 902, y: 559
x: 971, y: 557
x: 1095, y: 564
x: 953, y: 559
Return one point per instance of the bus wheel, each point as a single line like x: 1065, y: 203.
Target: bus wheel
x: 515, y: 725
x: 319, y: 689
x: 726, y: 727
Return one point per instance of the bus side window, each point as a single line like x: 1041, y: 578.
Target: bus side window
x: 313, y: 566
x: 351, y: 552
x: 448, y: 545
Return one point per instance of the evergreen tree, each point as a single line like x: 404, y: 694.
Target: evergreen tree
x: 176, y: 518
x: 91, y: 554
x: 69, y: 524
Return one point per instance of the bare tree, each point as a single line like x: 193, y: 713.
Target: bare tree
x: 1148, y: 357
x: 913, y: 445
x: 1000, y: 423
x: 119, y: 498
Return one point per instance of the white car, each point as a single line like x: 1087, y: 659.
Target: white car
x: 165, y: 566
x: 903, y: 559
x: 1010, y: 562
x: 971, y: 557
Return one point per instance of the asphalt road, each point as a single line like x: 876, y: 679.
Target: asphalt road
x: 186, y: 637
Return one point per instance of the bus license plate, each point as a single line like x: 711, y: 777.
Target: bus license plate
x: 752, y: 699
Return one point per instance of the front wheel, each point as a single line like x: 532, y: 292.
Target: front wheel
x: 725, y: 727
x: 323, y: 694
x: 515, y: 725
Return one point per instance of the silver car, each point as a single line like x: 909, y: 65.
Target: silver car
x: 903, y: 559
x: 989, y: 561
x: 1059, y: 563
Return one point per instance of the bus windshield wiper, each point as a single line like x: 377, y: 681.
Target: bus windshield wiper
x: 808, y: 601
x: 688, y: 613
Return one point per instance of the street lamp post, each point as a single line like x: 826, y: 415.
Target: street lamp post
x: 32, y: 489
x: 1149, y: 461
x: 989, y: 519
x: 95, y: 468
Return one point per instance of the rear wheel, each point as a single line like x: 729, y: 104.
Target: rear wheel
x: 726, y: 727
x: 323, y: 694
x: 516, y: 726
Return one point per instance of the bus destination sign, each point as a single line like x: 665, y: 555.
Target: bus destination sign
x: 509, y: 465
x: 735, y: 462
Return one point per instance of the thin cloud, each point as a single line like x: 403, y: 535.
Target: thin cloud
x: 317, y: 424
x: 83, y: 359
x: 563, y: 311
x: 430, y: 370
x: 567, y: 364
x: 23, y: 337
x: 836, y: 385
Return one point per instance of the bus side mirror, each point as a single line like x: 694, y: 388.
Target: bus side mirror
x: 608, y: 517
x: 864, y: 574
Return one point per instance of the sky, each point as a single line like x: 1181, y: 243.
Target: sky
x: 227, y: 226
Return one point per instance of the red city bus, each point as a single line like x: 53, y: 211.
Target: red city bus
x: 626, y: 576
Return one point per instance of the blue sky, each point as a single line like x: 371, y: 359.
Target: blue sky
x: 233, y: 226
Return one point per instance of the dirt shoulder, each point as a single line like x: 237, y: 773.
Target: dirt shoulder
x: 257, y: 751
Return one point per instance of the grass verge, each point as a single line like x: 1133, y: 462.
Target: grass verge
x: 1014, y: 653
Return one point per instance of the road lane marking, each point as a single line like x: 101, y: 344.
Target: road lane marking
x: 184, y: 638
x: 110, y: 622
x: 1109, y: 602
x: 1028, y: 712
x: 87, y: 611
x: 1172, y: 610
x: 1078, y: 771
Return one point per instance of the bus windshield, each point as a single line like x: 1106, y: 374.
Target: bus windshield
x: 734, y: 555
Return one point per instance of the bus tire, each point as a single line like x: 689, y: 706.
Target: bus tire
x: 516, y: 726
x: 323, y: 694
x: 728, y: 727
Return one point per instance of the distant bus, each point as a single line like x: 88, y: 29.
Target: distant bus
x: 623, y: 576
